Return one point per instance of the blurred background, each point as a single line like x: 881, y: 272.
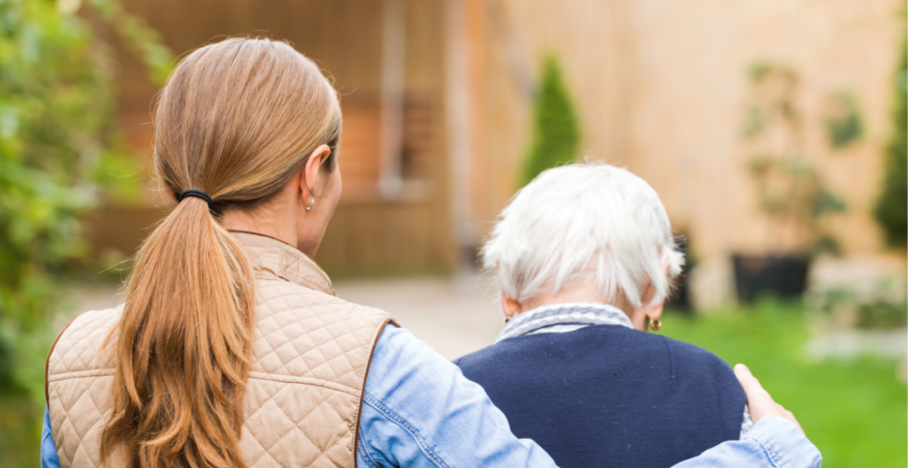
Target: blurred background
x: 773, y: 130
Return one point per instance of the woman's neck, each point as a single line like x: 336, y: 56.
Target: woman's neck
x: 581, y: 293
x: 585, y: 293
x: 260, y: 223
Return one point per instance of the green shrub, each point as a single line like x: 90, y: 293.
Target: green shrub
x: 892, y: 206
x: 790, y: 189
x: 556, y: 136
x: 60, y: 151
x: 844, y: 124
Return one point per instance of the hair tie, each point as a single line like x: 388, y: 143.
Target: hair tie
x: 197, y: 194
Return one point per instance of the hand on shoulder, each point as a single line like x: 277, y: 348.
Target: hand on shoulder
x: 759, y: 400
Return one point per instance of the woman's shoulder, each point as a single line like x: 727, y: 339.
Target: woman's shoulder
x: 687, y: 352
x: 695, y: 366
x: 86, y: 327
x: 516, y: 346
x: 583, y: 340
x: 77, y: 346
x: 275, y: 296
x: 606, y: 341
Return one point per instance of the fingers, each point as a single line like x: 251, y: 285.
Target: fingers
x: 789, y: 416
x: 759, y: 400
x: 746, y: 378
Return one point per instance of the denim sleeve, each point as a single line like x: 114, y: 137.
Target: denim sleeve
x: 772, y: 443
x: 49, y: 457
x: 420, y: 411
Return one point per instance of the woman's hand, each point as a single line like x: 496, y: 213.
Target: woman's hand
x: 760, y: 402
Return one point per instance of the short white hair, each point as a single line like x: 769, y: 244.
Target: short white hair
x: 580, y: 222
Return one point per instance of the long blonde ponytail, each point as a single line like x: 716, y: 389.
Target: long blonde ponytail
x: 236, y: 120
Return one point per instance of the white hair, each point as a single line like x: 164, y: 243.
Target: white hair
x: 580, y: 221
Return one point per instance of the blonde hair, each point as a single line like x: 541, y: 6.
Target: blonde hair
x: 236, y: 120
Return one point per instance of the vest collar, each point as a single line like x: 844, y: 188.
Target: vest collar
x: 284, y: 261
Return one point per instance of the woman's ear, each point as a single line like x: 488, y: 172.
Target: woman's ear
x: 509, y: 306
x: 312, y: 172
x: 654, y: 311
x: 646, y: 312
x: 666, y: 264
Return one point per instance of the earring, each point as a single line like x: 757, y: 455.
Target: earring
x: 311, y: 204
x: 655, y: 324
x: 506, y: 319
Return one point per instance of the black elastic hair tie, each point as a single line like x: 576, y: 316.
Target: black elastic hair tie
x: 197, y: 194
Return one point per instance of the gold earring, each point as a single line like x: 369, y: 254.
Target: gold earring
x: 655, y: 324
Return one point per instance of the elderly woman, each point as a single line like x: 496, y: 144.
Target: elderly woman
x: 585, y: 259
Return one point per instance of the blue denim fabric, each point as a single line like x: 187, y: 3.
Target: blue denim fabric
x: 773, y: 442
x: 49, y: 457
x: 419, y: 411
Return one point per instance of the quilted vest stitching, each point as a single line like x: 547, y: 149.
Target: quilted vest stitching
x: 311, y: 354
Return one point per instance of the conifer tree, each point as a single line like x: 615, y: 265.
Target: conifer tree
x: 892, y: 207
x: 556, y: 136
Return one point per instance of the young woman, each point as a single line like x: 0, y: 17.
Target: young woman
x: 231, y: 349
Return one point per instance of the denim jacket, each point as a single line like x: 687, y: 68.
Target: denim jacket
x: 419, y: 411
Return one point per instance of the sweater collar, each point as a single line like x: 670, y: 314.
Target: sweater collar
x: 576, y: 314
x: 284, y: 261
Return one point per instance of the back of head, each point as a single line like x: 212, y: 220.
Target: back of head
x: 584, y: 222
x: 236, y: 120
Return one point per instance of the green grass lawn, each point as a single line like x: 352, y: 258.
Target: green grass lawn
x: 855, y: 411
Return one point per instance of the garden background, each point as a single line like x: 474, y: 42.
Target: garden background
x: 773, y: 130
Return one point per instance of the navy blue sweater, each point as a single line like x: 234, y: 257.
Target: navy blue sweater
x: 610, y: 396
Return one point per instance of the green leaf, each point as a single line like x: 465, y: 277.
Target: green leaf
x: 759, y: 71
x: 844, y: 126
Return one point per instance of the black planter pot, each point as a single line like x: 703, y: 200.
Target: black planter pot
x: 784, y: 276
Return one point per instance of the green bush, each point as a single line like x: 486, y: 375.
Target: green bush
x: 556, y: 136
x: 844, y: 124
x: 60, y: 151
x: 892, y: 206
x: 790, y: 189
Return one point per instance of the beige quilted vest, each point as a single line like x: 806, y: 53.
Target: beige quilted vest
x: 310, y: 358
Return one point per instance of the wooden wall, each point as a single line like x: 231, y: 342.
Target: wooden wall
x: 368, y: 233
x: 660, y: 87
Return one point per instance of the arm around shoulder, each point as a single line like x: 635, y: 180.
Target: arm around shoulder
x: 773, y: 443
x: 420, y: 411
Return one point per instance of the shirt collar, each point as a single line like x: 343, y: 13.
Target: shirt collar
x: 574, y: 313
